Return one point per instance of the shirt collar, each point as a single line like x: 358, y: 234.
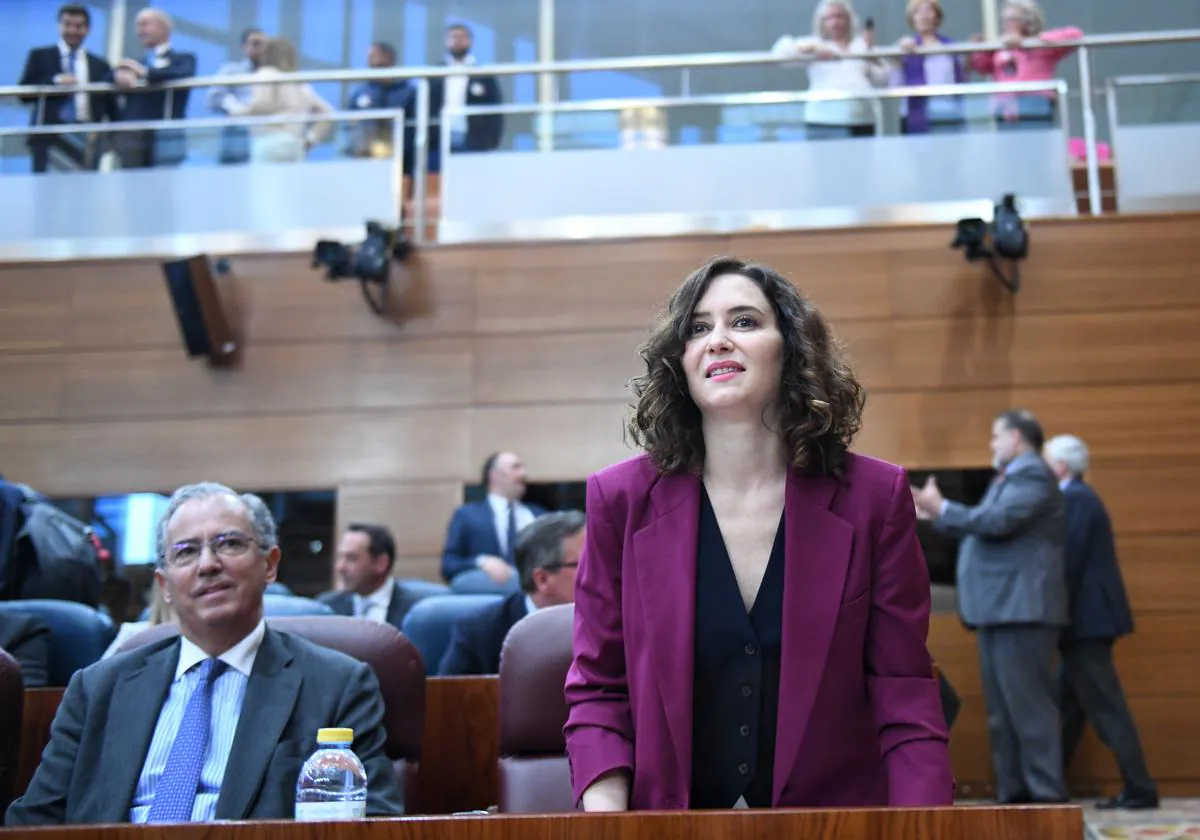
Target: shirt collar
x: 466, y: 61
x: 500, y: 504
x: 240, y: 657
x: 65, y: 50
x: 1062, y: 485
x: 382, y: 596
x: 162, y: 49
x: 530, y: 607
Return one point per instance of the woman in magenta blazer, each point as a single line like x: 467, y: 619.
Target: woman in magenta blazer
x: 752, y: 604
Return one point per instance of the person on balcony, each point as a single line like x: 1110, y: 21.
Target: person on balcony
x: 67, y: 63
x: 928, y: 114
x: 1021, y: 21
x: 836, y: 36
x: 281, y: 142
x: 161, y: 63
x: 235, y: 139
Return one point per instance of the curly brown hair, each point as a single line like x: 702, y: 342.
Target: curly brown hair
x: 820, y: 400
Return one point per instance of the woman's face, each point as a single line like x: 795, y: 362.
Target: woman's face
x: 1013, y: 21
x: 836, y: 24
x: 733, y: 359
x: 925, y: 18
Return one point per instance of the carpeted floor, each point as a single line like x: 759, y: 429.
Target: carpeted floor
x: 1177, y: 819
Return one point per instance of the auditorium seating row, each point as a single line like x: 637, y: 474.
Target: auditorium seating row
x: 532, y: 774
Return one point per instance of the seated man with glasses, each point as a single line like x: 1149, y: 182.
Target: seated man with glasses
x: 547, y: 556
x: 216, y: 723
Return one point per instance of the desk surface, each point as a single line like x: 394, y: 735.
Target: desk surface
x: 958, y: 823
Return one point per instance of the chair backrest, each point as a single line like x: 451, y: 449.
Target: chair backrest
x: 276, y: 603
x: 79, y: 635
x: 12, y: 699
x: 424, y: 588
x: 393, y: 658
x: 431, y: 620
x: 534, y: 775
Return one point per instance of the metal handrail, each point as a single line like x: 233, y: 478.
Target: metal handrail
x: 767, y: 98
x: 661, y: 62
x: 1155, y: 79
x: 204, y: 122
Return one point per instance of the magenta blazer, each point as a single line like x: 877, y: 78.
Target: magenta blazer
x: 860, y: 719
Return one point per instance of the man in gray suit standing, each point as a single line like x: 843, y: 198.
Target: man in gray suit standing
x: 216, y: 723
x: 1012, y: 593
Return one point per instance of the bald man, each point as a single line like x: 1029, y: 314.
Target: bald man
x: 160, y: 63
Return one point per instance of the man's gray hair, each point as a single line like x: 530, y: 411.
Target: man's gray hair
x: 262, y: 522
x: 1072, y: 451
x: 540, y: 543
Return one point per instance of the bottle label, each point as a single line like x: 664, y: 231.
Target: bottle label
x: 326, y: 811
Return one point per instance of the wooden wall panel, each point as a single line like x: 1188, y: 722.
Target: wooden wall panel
x: 416, y: 512
x: 529, y: 346
x: 279, y: 379
x: 294, y: 452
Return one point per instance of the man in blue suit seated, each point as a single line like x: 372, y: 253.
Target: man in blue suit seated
x: 216, y: 723
x: 1099, y: 615
x: 366, y: 556
x: 479, y: 557
x: 161, y: 63
x: 548, y: 552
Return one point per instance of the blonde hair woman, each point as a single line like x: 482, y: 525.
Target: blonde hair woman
x: 282, y: 142
x: 160, y: 613
x: 837, y: 35
x: 1022, y: 20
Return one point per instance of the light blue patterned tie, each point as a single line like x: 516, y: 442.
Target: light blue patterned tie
x: 176, y: 791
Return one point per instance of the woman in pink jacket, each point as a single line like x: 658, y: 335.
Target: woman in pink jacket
x: 1023, y: 20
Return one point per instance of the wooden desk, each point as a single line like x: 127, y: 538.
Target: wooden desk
x: 1018, y: 823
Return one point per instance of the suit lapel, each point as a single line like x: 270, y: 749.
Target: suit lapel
x: 665, y: 562
x: 817, y: 547
x: 133, y: 711
x: 271, y: 694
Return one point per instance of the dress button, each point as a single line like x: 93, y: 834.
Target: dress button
x: 744, y: 730
x: 743, y: 768
x: 751, y: 649
x: 747, y: 691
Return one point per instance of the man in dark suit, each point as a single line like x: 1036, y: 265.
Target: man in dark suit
x: 476, y: 133
x: 214, y: 724
x: 548, y: 552
x: 26, y: 638
x: 479, y: 557
x: 161, y: 63
x: 366, y: 555
x: 1012, y: 592
x: 67, y: 63
x: 374, y: 138
x: 1089, y: 688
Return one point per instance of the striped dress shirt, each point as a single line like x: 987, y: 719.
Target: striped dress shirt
x: 229, y: 690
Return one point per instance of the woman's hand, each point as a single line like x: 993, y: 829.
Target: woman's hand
x: 1012, y: 40
x: 608, y: 793
x: 908, y: 43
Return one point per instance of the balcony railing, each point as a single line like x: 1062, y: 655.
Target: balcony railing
x: 579, y: 192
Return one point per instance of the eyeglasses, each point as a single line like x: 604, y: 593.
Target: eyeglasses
x: 226, y: 546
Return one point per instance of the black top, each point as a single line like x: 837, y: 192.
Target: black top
x: 736, y: 690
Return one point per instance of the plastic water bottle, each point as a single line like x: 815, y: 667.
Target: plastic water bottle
x: 333, y: 782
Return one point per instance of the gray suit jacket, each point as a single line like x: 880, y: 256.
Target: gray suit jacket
x: 101, y: 734
x: 1010, y: 561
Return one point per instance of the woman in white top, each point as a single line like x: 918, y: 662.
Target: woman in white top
x: 282, y: 142
x: 837, y: 35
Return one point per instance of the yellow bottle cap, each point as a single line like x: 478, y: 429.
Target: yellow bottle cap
x: 335, y: 736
